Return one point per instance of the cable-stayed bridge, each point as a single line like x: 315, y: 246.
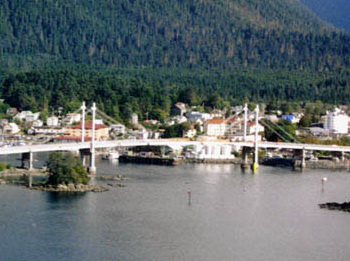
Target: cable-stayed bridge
x: 88, y: 148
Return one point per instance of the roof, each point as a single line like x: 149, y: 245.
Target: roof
x: 215, y: 121
x: 88, y: 126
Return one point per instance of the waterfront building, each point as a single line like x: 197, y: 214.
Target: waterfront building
x: 101, y: 131
x: 336, y: 122
x: 215, y: 127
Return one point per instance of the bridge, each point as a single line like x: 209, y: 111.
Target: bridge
x: 85, y: 148
x: 88, y: 148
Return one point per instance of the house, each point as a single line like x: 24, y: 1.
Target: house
x: 71, y: 118
x: 235, y: 126
x: 176, y: 120
x: 27, y: 116
x: 3, y: 122
x: 336, y: 122
x: 11, y: 111
x: 118, y: 128
x: 293, y: 118
x: 134, y: 119
x: 216, y: 113
x: 272, y: 117
x: 38, y: 123
x: 101, y: 131
x: 191, y: 133
x: 215, y: 127
x: 194, y: 116
x: 178, y: 108
x: 52, y: 121
x: 11, y: 128
x: 251, y: 128
x: 46, y: 130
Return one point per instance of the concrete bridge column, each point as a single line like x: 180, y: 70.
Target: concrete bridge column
x: 303, y: 160
x: 299, y: 154
x: 84, y: 153
x: 245, y: 151
x: 342, y: 156
x: 27, y: 157
x: 92, y: 167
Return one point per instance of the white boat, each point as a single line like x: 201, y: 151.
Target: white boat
x: 112, y: 155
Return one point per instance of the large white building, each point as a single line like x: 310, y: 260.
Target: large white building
x: 215, y: 127
x: 336, y: 122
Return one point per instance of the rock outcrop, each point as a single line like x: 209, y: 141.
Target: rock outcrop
x: 336, y: 206
x: 71, y: 188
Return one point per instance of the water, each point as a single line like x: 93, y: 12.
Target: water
x: 272, y: 215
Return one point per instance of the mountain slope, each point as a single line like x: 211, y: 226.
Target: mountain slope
x: 336, y: 12
x: 171, y: 33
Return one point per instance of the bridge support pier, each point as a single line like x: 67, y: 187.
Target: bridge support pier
x: 245, y: 151
x: 300, y: 154
x: 303, y: 160
x: 27, y: 157
x: 85, y: 155
x: 92, y: 167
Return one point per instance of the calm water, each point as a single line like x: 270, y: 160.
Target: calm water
x: 272, y: 215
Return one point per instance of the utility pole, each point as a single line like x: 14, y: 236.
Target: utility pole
x: 83, y: 108
x: 92, y: 149
x: 245, y: 122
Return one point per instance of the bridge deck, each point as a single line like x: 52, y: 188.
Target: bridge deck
x: 171, y: 143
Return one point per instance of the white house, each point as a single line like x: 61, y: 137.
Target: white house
x: 215, y: 127
x: 134, y: 119
x: 190, y: 133
x: 336, y: 122
x: 194, y: 116
x: 52, y: 121
x: 118, y: 128
x: 28, y: 116
x: 11, y: 128
x: 251, y: 127
x: 37, y: 123
x: 71, y: 118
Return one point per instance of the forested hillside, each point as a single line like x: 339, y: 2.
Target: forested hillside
x: 336, y: 12
x: 176, y: 33
x: 142, y: 56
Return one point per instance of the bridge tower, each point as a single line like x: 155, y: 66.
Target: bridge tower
x: 245, y: 122
x: 92, y: 168
x: 256, y: 148
x: 83, y: 108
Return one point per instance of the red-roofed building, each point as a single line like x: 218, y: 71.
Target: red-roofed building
x: 68, y: 138
x: 215, y: 127
x: 101, y: 131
